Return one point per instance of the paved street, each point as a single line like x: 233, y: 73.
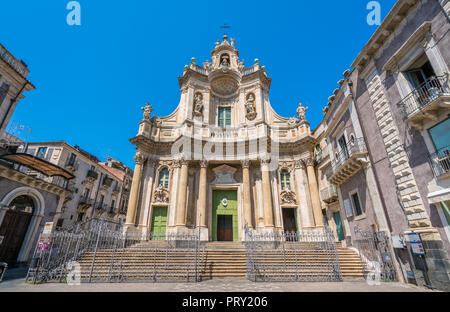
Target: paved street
x: 16, y: 283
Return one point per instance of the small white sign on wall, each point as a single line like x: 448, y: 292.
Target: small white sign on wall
x: 348, y: 208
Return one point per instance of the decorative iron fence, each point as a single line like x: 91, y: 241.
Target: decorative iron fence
x: 374, y: 251
x: 426, y: 93
x: 101, y: 254
x: 308, y: 255
x: 440, y: 161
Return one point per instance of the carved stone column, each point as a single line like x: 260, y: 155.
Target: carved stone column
x: 180, y: 214
x: 314, y: 191
x: 305, y: 207
x: 247, y: 204
x: 267, y: 193
x: 135, y: 189
x: 201, y: 207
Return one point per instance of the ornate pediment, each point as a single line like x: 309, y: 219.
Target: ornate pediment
x: 224, y: 174
x: 161, y: 195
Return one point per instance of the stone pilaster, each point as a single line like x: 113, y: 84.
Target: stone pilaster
x: 305, y: 205
x: 202, y: 195
x: 267, y: 193
x: 247, y: 204
x: 314, y: 192
x: 135, y: 190
x: 180, y: 213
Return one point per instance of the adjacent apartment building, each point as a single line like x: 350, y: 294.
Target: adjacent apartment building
x: 99, y: 189
x: 32, y: 190
x: 383, y: 156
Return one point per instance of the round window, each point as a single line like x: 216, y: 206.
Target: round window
x: 225, y: 202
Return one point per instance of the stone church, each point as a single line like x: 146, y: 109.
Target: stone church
x: 224, y: 158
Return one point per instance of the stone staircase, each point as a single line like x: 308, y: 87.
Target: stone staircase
x: 219, y: 260
x: 229, y: 260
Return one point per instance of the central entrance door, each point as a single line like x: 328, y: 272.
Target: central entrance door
x: 289, y: 220
x: 224, y: 228
x: 159, y: 222
x: 225, y: 216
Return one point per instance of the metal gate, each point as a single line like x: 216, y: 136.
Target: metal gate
x: 308, y: 255
x: 374, y: 250
x: 97, y: 253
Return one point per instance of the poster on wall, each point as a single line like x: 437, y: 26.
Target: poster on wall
x: 416, y: 244
x: 348, y: 208
x: 44, y: 239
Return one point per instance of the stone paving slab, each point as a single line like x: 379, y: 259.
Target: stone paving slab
x: 216, y: 285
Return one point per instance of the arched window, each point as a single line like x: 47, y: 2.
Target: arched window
x: 285, y: 179
x: 164, y: 178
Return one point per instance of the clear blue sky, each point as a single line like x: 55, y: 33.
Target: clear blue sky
x: 93, y: 79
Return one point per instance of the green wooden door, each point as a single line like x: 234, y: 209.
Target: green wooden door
x: 339, y: 229
x: 225, y: 204
x: 159, y: 222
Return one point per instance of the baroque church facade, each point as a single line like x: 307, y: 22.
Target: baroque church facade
x: 224, y: 159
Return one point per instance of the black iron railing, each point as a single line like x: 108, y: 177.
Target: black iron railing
x: 422, y: 96
x: 92, y: 174
x: 355, y: 146
x: 440, y: 161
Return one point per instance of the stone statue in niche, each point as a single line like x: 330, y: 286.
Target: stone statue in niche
x: 147, y: 111
x: 161, y: 195
x: 198, y: 105
x: 301, y: 112
x: 288, y: 197
x: 250, y: 107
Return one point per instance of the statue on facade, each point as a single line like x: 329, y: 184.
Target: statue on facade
x: 288, y: 196
x: 161, y: 194
x: 301, y: 112
x: 198, y: 105
x: 250, y: 107
x: 147, y: 111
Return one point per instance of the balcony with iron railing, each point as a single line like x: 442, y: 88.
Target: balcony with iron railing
x: 427, y: 102
x: 92, y: 175
x: 71, y: 165
x: 85, y: 203
x: 329, y: 194
x: 18, y: 65
x: 348, y: 161
x: 440, y: 162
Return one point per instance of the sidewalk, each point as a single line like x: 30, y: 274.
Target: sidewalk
x: 15, y: 282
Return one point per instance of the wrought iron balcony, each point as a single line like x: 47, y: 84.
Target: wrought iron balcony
x: 440, y: 161
x: 427, y: 101
x: 92, y: 175
x: 101, y: 206
x: 85, y: 203
x: 348, y: 161
x: 107, y: 182
x: 18, y: 65
x: 329, y: 194
x: 71, y: 165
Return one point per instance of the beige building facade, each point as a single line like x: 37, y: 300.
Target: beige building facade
x: 224, y: 158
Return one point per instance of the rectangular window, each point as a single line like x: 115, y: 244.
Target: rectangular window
x: 440, y: 134
x: 41, y: 152
x: 113, y: 203
x: 224, y: 117
x: 72, y: 158
x: 356, y: 204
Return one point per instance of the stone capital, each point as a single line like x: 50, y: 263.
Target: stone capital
x: 204, y: 164
x: 139, y: 158
x: 245, y: 163
x: 299, y: 164
x: 309, y: 161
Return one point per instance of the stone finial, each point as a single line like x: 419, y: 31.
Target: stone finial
x: 148, y: 109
